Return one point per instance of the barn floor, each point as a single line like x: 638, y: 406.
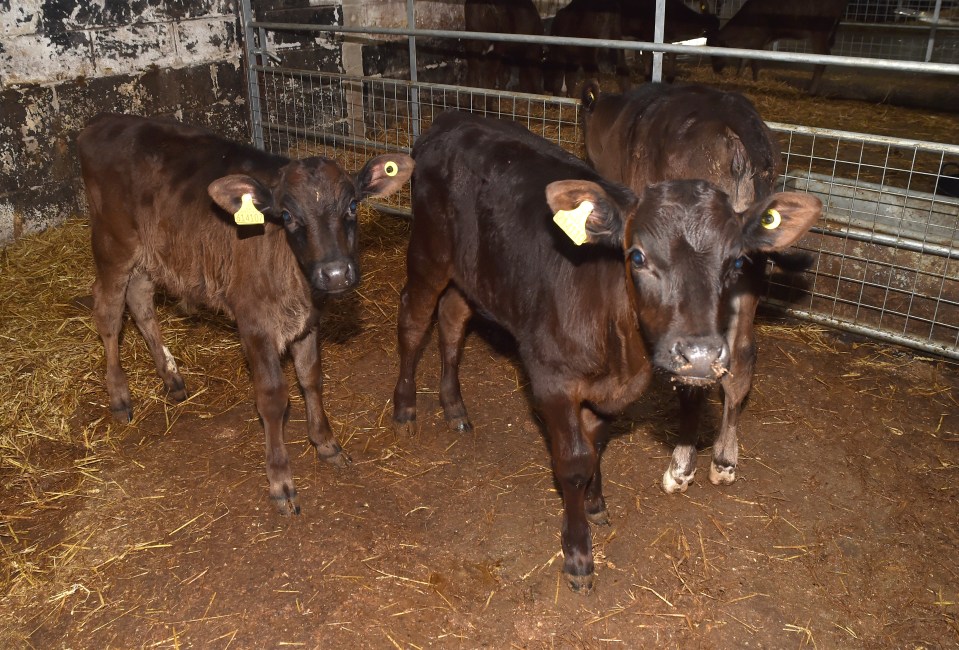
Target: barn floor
x: 840, y: 532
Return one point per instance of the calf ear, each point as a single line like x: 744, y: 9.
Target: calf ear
x: 773, y: 223
x: 590, y: 94
x: 383, y: 175
x: 604, y: 222
x: 228, y: 193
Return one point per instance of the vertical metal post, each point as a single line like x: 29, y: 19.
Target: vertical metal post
x: 252, y: 79
x: 658, y: 35
x: 932, y: 31
x: 414, y: 91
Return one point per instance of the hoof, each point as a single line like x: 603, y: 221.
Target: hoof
x: 460, y: 425
x: 581, y: 585
x: 722, y: 474
x: 406, y: 428
x: 178, y: 395
x: 673, y: 484
x: 124, y: 414
x: 598, y: 518
x: 336, y: 456
x: 286, y: 504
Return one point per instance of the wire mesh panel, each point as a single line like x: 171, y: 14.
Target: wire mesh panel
x: 887, y: 250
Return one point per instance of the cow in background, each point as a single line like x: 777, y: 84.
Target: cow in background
x: 568, y: 65
x: 660, y: 132
x: 166, y: 205
x: 681, y: 24
x: 492, y: 64
x: 759, y: 23
x: 646, y: 289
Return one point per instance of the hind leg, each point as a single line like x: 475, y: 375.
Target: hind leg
x: 108, y: 291
x: 139, y: 299
x: 309, y: 372
x: 453, y: 315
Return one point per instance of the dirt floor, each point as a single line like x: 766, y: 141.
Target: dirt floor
x: 840, y: 531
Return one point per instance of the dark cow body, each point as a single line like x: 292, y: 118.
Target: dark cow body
x: 490, y: 65
x: 590, y: 322
x: 161, y: 198
x: 599, y: 19
x: 663, y: 132
x: 759, y: 23
x: 681, y: 24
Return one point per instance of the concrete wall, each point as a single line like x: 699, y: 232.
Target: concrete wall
x: 63, y: 61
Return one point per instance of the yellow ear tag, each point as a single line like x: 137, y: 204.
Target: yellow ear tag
x: 573, y: 222
x: 771, y: 219
x: 391, y: 168
x: 247, y: 215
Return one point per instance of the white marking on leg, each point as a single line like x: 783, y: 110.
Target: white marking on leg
x: 170, y: 364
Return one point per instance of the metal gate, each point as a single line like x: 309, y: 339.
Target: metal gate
x: 887, y: 250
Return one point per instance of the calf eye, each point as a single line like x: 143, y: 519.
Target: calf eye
x: 352, y: 208
x: 285, y: 215
x: 637, y: 258
x: 738, y: 264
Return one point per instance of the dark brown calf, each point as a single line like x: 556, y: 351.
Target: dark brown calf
x: 681, y: 23
x: 599, y: 19
x: 162, y: 196
x: 490, y: 65
x: 663, y: 132
x: 591, y: 322
x: 759, y: 23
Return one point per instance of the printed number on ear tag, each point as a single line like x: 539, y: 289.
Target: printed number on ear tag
x: 248, y: 215
x: 573, y: 222
x: 391, y: 168
x: 771, y: 219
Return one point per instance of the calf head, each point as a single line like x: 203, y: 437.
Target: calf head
x: 315, y: 202
x: 683, y: 247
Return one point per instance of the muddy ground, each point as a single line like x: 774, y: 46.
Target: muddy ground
x: 840, y: 532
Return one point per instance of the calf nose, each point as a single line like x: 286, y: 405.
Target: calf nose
x: 700, y: 359
x: 335, y: 276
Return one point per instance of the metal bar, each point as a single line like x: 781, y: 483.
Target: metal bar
x: 415, y: 96
x: 932, y: 30
x: 335, y: 138
x: 871, y: 332
x: 864, y: 137
x: 252, y: 79
x: 890, y: 241
x: 659, y: 32
x: 762, y: 55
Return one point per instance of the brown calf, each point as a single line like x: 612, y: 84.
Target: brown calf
x: 663, y: 132
x: 162, y: 196
x: 591, y: 322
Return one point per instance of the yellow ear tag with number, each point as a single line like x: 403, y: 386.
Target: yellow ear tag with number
x: 247, y: 215
x: 771, y: 219
x: 573, y: 222
x: 391, y: 168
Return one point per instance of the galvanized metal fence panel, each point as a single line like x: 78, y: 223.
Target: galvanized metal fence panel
x: 886, y: 252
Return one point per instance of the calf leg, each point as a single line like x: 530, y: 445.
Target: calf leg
x: 272, y: 401
x: 736, y: 385
x: 682, y: 466
x: 309, y: 372
x: 453, y: 315
x: 417, y: 304
x: 597, y: 429
x: 575, y: 464
x: 139, y: 298
x: 108, y: 291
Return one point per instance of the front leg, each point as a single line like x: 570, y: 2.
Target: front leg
x: 575, y: 463
x: 309, y: 372
x: 272, y: 401
x: 682, y: 467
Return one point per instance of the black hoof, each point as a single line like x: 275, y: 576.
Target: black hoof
x: 337, y: 456
x: 598, y: 518
x: 286, y: 504
x: 406, y: 428
x: 124, y: 415
x: 581, y: 585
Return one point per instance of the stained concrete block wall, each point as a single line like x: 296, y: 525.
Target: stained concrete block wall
x: 64, y: 61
